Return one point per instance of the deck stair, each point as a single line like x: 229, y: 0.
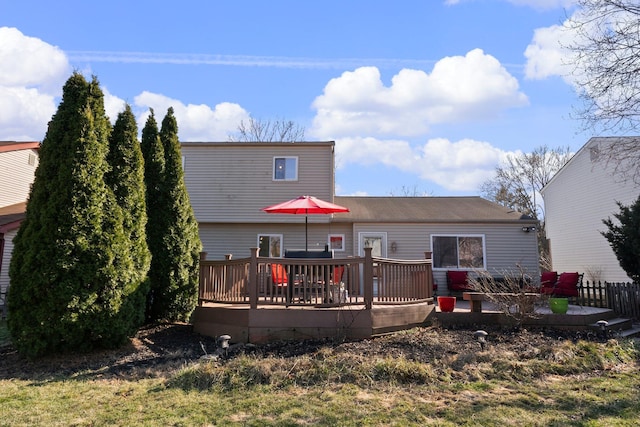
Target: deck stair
x: 634, y: 331
x: 616, y: 324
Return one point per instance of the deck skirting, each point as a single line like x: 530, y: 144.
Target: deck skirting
x: 273, y: 323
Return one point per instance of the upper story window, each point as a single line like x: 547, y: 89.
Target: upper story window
x: 458, y: 251
x: 285, y: 168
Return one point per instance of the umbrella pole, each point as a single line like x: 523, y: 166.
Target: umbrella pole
x: 306, y: 233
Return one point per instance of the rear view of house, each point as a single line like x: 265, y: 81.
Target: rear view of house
x: 229, y: 183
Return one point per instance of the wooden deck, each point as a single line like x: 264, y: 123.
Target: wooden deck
x: 274, y: 322
x: 248, y: 300
x: 374, y: 296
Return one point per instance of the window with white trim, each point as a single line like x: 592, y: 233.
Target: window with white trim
x: 462, y: 251
x: 270, y: 245
x: 285, y: 168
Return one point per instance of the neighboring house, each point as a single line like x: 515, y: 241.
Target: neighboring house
x: 18, y: 163
x: 229, y: 183
x: 577, y: 199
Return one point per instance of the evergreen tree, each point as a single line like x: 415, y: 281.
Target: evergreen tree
x: 70, y: 253
x: 175, y: 282
x: 153, y: 154
x: 126, y: 179
x: 625, y: 238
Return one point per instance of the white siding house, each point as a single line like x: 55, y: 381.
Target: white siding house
x: 577, y: 199
x: 229, y: 184
x: 18, y: 163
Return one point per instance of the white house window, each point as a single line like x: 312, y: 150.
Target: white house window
x: 458, y: 251
x: 336, y: 242
x: 270, y: 245
x: 285, y: 168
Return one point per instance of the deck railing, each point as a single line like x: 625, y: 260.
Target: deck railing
x: 323, y: 281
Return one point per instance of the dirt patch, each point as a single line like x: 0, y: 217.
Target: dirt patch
x: 158, y: 351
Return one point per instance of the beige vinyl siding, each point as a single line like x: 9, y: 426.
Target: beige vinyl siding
x: 231, y: 182
x: 16, y: 175
x: 6, y: 260
x: 581, y: 195
x: 238, y: 239
x: 506, y: 245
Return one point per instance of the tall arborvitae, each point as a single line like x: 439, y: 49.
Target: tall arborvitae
x: 175, y: 284
x: 153, y: 154
x: 126, y: 179
x: 71, y: 253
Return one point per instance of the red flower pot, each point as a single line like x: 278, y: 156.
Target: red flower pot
x: 447, y: 303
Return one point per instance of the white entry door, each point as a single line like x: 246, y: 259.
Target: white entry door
x: 375, y: 240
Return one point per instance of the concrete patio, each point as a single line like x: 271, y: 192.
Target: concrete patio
x: 577, y: 317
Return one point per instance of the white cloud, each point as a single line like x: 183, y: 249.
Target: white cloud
x: 456, y: 166
x: 459, y: 166
x: 32, y: 73
x: 459, y: 88
x: 195, y: 122
x: 535, y: 4
x: 546, y: 54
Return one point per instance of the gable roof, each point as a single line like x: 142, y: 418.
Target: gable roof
x: 6, y: 146
x: 593, y: 142
x: 11, y: 216
x: 472, y: 209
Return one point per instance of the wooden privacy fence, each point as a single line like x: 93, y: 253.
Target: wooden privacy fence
x: 623, y: 298
x: 302, y: 281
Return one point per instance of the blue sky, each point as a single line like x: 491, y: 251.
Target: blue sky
x: 420, y: 96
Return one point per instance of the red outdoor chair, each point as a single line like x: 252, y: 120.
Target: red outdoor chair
x: 457, y: 281
x: 279, y: 275
x: 565, y: 286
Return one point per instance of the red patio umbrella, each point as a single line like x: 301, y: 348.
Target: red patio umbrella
x: 305, y: 205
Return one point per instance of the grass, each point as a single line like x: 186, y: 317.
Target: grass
x: 565, y: 384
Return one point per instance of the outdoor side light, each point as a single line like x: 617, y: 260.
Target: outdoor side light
x: 602, y: 324
x: 481, y: 338
x: 223, y: 341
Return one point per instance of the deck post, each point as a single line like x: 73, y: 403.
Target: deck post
x: 203, y: 258
x: 429, y: 255
x: 368, y: 279
x: 253, y: 279
x: 228, y: 276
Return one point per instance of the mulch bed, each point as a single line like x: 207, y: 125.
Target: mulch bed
x: 160, y: 350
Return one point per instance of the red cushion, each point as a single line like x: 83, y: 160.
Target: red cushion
x: 457, y: 280
x: 565, y: 286
x: 457, y: 277
x: 548, y: 278
x: 568, y: 280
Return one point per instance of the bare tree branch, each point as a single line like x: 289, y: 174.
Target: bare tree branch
x: 256, y: 130
x: 606, y: 64
x: 518, y: 182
